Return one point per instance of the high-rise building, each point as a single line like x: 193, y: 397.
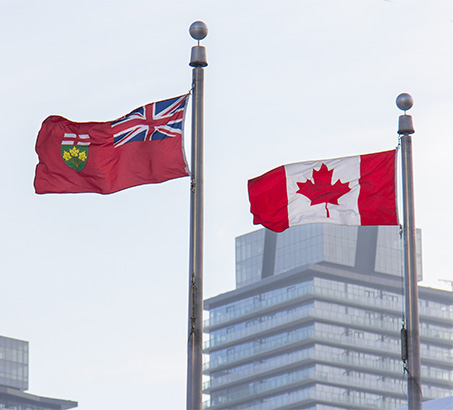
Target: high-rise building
x: 14, y: 380
x: 314, y: 324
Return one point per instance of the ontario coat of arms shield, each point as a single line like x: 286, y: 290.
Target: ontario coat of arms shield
x: 74, y: 150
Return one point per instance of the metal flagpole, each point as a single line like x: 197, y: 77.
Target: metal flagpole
x: 198, y: 30
x: 405, y: 129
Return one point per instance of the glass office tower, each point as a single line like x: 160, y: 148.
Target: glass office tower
x: 314, y: 324
x: 14, y: 380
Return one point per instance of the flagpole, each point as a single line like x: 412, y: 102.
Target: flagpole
x: 198, y: 30
x: 405, y: 129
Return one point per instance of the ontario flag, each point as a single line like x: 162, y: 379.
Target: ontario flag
x: 142, y: 147
x: 358, y: 190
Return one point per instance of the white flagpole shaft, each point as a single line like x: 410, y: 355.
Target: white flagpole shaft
x: 198, y: 31
x: 414, y: 386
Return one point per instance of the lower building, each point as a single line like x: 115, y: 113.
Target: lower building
x: 314, y: 324
x: 14, y: 380
x: 445, y: 403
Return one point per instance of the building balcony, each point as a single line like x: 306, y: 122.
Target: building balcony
x: 311, y: 396
x: 306, y: 336
x: 310, y: 356
x: 310, y: 314
x: 241, y: 313
x: 296, y: 340
x: 305, y: 378
x: 308, y: 377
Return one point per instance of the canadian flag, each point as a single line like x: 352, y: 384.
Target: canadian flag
x: 357, y: 190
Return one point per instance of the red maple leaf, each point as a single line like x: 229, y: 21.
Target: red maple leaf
x: 322, y: 190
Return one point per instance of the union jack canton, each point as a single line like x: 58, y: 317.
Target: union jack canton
x: 155, y: 121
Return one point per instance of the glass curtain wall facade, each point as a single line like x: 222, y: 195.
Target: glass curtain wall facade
x: 13, y: 363
x: 314, y: 324
x: 14, y: 380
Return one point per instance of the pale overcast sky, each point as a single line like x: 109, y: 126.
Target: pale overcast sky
x: 98, y: 284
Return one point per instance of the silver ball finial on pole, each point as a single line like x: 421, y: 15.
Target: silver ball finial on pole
x: 404, y: 101
x: 198, y: 30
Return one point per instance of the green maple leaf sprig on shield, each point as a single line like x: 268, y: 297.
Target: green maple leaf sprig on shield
x: 322, y: 191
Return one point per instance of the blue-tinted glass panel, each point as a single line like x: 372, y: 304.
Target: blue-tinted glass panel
x: 13, y: 363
